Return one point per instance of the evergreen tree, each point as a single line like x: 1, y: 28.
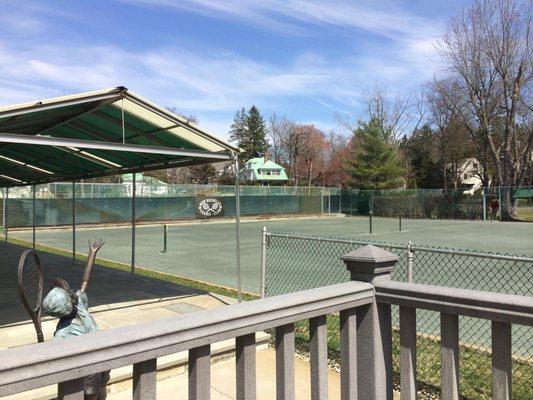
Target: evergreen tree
x: 422, y: 153
x: 249, y: 132
x: 238, y: 127
x: 375, y: 164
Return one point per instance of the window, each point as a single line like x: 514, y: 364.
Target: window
x: 270, y: 172
x: 465, y: 176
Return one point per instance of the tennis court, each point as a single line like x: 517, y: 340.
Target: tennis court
x: 205, y: 251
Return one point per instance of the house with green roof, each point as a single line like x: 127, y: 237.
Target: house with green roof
x: 264, y: 170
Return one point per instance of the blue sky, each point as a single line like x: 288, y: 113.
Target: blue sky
x: 308, y: 60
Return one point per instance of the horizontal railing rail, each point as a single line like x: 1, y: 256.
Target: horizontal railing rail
x: 471, y: 303
x: 68, y: 361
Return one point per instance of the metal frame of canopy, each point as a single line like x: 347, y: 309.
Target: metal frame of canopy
x: 100, y: 154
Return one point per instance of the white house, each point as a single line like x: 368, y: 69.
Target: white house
x: 264, y: 170
x: 469, y: 173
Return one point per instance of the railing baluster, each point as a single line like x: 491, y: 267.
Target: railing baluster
x: 144, y: 380
x: 319, y: 358
x: 408, y: 353
x: 245, y: 354
x: 449, y: 327
x: 70, y: 390
x: 285, y: 362
x: 348, y: 347
x: 501, y: 360
x: 200, y: 373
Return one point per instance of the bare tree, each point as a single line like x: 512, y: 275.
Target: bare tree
x: 455, y: 139
x: 398, y: 114
x: 487, y: 50
x: 279, y: 128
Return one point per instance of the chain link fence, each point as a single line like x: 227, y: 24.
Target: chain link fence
x: 298, y: 262
x: 511, y: 203
x: 110, y: 203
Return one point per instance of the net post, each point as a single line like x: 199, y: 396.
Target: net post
x: 165, y: 232
x: 263, y: 261
x: 370, y: 220
x: 237, y: 226
x: 33, y: 215
x: 400, y: 221
x: 4, y: 216
x: 73, y: 222
x: 133, y: 194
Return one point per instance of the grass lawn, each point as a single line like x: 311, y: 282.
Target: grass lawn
x: 525, y: 213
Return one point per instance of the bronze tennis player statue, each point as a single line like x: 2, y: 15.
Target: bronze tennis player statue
x: 72, y: 309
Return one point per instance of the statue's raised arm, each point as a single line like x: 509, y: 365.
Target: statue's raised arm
x: 94, y: 246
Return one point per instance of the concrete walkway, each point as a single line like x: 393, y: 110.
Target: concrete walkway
x: 114, y: 300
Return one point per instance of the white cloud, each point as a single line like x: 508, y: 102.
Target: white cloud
x: 212, y: 83
x: 382, y: 18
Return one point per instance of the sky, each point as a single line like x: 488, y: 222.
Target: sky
x: 307, y: 60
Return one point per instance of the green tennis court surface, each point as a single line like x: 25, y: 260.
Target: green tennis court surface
x: 206, y: 250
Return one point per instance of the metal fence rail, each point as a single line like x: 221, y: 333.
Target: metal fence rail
x: 297, y: 262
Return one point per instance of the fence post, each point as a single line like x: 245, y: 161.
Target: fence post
x: 321, y: 201
x: 4, y: 217
x: 410, y: 258
x: 263, y: 261
x: 374, y: 330
x: 484, y: 203
x: 33, y: 215
x: 73, y: 222
x: 500, y: 201
x: 133, y: 238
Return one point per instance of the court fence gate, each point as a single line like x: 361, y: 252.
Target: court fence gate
x: 293, y: 262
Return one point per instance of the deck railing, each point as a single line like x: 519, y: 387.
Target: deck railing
x: 503, y: 310
x: 67, y: 361
x: 364, y: 307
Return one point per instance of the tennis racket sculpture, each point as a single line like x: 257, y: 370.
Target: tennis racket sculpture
x: 30, y: 286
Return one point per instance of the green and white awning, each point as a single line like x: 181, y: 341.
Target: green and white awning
x: 99, y: 133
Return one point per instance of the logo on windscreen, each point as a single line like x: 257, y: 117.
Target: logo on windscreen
x: 210, y: 207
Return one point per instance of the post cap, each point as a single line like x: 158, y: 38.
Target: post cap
x: 369, y: 263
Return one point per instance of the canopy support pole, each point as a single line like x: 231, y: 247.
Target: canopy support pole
x: 238, y: 226
x: 33, y: 214
x: 73, y: 222
x: 133, y: 190
x: 4, y: 216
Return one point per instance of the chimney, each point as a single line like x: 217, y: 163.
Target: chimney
x: 266, y: 156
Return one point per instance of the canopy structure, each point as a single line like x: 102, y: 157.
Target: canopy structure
x: 99, y: 133
x: 93, y: 134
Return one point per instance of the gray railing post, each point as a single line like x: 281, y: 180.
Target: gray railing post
x: 374, y: 331
x: 70, y: 390
x: 144, y: 380
x: 245, y: 367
